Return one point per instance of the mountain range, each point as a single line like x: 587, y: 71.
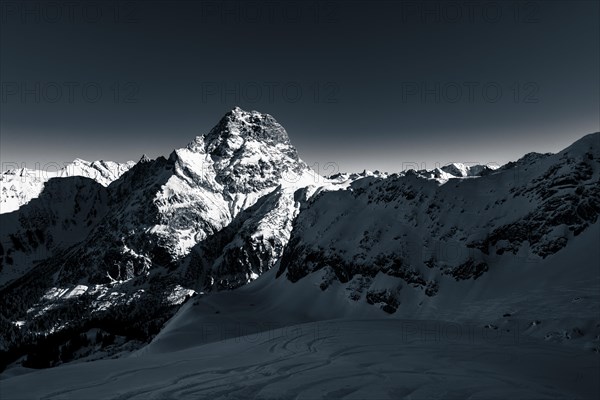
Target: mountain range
x: 97, y: 259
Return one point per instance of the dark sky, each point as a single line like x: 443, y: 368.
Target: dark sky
x: 375, y: 85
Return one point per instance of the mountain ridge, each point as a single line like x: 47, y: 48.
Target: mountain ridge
x: 19, y: 186
x: 237, y: 202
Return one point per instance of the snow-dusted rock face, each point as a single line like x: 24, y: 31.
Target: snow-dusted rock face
x: 161, y: 209
x: 380, y: 236
x: 249, y: 246
x: 213, y: 215
x: 20, y: 186
x: 250, y: 151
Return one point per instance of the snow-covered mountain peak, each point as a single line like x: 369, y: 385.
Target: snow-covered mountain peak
x: 456, y: 169
x: 588, y: 144
x: 79, y: 161
x: 461, y: 170
x: 246, y: 151
x: 19, y: 186
x: 238, y: 127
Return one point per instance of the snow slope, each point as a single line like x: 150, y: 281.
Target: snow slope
x: 274, y: 339
x: 361, y: 359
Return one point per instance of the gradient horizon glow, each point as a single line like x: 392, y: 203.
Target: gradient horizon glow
x: 365, y: 85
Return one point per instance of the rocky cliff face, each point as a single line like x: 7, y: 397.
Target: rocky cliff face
x: 213, y: 215
x: 402, y: 232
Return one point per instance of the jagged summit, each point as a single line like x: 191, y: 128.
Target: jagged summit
x: 246, y: 151
x: 237, y: 127
x: 144, y: 159
x: 80, y: 161
x: 460, y: 170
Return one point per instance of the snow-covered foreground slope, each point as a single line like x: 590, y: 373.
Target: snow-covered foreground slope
x: 274, y: 339
x: 356, y: 359
x: 20, y: 186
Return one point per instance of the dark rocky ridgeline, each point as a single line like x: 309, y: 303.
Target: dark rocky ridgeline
x: 424, y: 234
x: 567, y: 194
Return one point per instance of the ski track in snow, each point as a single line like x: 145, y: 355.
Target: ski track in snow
x: 350, y: 359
